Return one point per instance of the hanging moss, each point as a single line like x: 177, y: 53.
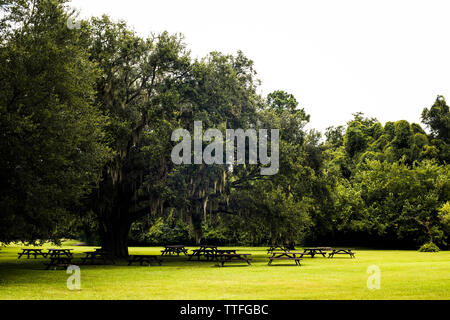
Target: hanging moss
x: 205, y: 203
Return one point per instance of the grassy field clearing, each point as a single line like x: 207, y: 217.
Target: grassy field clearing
x: 404, y: 275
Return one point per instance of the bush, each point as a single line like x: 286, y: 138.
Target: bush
x: 159, y: 231
x: 429, y: 247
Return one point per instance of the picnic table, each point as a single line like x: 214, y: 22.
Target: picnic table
x: 92, y: 256
x: 58, y: 261
x: 143, y: 258
x: 59, y: 252
x: 281, y: 247
x: 28, y: 252
x: 229, y: 257
x: 209, y: 252
x: 313, y: 251
x: 341, y: 251
x: 286, y: 255
x: 174, y: 249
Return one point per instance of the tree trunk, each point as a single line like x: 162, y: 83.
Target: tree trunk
x: 114, y: 237
x: 196, y: 227
x: 88, y: 236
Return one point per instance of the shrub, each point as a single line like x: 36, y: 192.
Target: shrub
x: 429, y: 247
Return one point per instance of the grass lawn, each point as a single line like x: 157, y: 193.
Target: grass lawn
x: 404, y: 275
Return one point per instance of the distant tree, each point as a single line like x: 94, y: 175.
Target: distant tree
x: 335, y: 136
x: 137, y: 91
x: 444, y: 216
x: 437, y: 119
x: 222, y: 94
x: 395, y: 201
x: 281, y: 208
x: 51, y: 137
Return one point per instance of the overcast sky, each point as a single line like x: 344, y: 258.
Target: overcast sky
x: 388, y: 59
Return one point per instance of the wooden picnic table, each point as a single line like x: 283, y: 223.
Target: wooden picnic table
x: 92, y: 256
x: 59, y: 252
x: 209, y: 252
x: 32, y: 252
x: 58, y: 261
x: 174, y: 249
x: 341, y: 251
x: 143, y: 258
x: 313, y: 251
x: 229, y: 257
x: 286, y: 255
x: 282, y: 247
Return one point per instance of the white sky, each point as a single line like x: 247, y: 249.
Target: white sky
x: 388, y: 59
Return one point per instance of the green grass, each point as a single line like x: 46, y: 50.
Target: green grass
x: 404, y: 275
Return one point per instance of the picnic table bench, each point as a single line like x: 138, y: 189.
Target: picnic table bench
x: 59, y: 252
x: 33, y: 252
x: 281, y: 247
x: 313, y: 251
x: 229, y: 257
x: 286, y: 255
x: 92, y: 256
x: 209, y: 252
x: 174, y: 249
x: 58, y: 261
x: 143, y: 258
x: 341, y: 251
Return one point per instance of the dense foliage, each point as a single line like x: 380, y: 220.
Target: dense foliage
x: 51, y: 134
x: 87, y: 116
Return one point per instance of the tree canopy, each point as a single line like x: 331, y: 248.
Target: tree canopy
x: 87, y: 115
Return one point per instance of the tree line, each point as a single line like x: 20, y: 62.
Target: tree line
x: 87, y: 115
